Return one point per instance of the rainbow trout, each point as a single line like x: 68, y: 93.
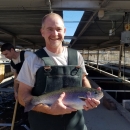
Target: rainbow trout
x: 74, y: 97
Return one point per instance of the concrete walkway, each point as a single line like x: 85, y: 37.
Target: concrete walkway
x: 101, y: 118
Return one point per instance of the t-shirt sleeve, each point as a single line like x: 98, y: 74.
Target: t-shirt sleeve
x: 27, y: 53
x: 27, y: 73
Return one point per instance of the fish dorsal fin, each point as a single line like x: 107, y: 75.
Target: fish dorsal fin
x: 82, y: 98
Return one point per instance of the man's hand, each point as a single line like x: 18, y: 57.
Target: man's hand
x: 91, y: 103
x: 16, y: 86
x: 58, y: 108
x: 16, y: 95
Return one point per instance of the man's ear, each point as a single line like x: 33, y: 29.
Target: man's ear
x: 42, y: 32
x: 12, y: 50
x: 64, y: 30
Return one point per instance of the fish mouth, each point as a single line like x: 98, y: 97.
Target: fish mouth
x: 100, y: 96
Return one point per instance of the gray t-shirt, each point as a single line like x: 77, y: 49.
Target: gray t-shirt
x: 33, y: 63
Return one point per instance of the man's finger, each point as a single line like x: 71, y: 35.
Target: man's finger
x: 61, y: 96
x: 98, y: 88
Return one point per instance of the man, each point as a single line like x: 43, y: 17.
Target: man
x: 17, y: 59
x: 39, y: 75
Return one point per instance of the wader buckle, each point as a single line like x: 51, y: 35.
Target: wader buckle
x: 47, y: 68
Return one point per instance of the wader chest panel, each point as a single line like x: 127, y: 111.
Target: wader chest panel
x: 53, y: 77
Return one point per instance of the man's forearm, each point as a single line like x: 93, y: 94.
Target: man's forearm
x: 16, y: 86
x: 85, y: 82
x: 16, y: 83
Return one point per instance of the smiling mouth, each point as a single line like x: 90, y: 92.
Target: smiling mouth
x: 54, y: 39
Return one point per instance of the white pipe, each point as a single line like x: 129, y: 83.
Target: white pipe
x: 108, y: 73
x: 124, y: 101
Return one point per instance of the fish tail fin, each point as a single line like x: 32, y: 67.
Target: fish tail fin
x: 28, y: 106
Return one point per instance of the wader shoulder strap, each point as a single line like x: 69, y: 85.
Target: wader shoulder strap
x: 22, y: 56
x: 72, y: 57
x: 44, y: 56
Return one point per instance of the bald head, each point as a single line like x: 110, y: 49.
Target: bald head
x: 51, y: 15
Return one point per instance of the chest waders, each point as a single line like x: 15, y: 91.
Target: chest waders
x: 53, y: 77
x: 18, y: 66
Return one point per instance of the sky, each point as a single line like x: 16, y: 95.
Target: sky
x: 71, y: 20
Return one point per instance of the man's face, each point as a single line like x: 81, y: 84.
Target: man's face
x: 53, y: 32
x: 7, y: 54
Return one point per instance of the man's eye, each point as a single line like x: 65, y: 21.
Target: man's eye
x: 59, y: 29
x: 50, y: 29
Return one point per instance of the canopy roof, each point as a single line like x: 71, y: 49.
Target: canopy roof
x: 20, y: 21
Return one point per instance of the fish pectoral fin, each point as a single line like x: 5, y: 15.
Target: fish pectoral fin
x: 82, y: 98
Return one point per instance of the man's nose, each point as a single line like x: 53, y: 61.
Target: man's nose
x: 55, y: 32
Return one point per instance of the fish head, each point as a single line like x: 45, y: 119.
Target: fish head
x: 97, y: 94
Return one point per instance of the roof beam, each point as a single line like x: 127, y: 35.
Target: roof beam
x: 24, y: 40
x: 89, y: 22
x: 104, y: 43
x: 107, y: 47
x: 108, y: 42
x: 7, y: 32
x: 65, y: 4
x: 75, y: 4
x: 13, y: 35
x: 90, y: 5
x: 68, y: 37
x: 105, y: 3
x: 93, y: 37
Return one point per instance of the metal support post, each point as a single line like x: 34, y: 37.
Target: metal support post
x: 97, y: 58
x: 14, y: 41
x: 88, y: 57
x: 120, y: 58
